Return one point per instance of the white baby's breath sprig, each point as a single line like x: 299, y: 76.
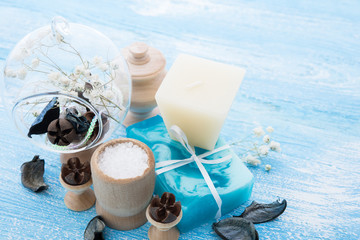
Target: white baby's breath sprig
x: 91, y: 79
x: 270, y: 129
x: 11, y: 73
x: 264, y: 150
x: 266, y: 139
x: 54, y: 77
x: 252, y: 160
x: 275, y: 146
x: 267, y: 167
x: 258, y: 131
x: 97, y: 60
x: 258, y: 150
x: 35, y: 63
x: 103, y: 67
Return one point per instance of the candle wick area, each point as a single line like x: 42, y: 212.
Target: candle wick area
x: 194, y: 84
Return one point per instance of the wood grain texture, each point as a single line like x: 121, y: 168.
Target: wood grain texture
x: 303, y: 78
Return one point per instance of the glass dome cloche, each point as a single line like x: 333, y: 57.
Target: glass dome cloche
x: 66, y: 87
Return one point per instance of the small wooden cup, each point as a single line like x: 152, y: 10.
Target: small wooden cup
x: 80, y: 197
x: 163, y: 231
x: 122, y: 202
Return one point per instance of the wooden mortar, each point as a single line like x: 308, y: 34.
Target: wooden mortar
x: 123, y: 202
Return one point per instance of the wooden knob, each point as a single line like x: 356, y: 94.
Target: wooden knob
x: 139, y: 53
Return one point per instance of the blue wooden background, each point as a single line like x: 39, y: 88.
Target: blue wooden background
x: 303, y: 78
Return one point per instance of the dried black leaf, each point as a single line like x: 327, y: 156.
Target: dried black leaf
x: 80, y: 123
x: 47, y: 115
x: 260, y: 212
x: 32, y: 174
x: 95, y: 228
x: 236, y: 228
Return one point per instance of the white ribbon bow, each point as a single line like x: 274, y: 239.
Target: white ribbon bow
x: 165, y: 166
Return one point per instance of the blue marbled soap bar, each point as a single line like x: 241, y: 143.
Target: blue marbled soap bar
x: 232, y: 179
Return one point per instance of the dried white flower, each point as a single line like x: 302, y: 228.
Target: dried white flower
x: 10, y: 73
x: 79, y: 70
x: 275, y: 146
x: 21, y: 73
x: 258, y: 131
x: 97, y: 60
x: 266, y: 139
x: 270, y: 129
x: 35, y: 63
x: 267, y: 167
x: 64, y: 81
x: 73, y: 77
x: 94, y: 77
x: 79, y: 87
x: 103, y: 67
x: 264, y: 149
x: 54, y: 76
x: 87, y: 74
x: 252, y: 160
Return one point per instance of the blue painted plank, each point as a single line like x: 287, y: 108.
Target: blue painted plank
x: 303, y: 78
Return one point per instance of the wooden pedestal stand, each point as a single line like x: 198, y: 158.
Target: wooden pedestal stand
x: 163, y: 231
x: 78, y: 198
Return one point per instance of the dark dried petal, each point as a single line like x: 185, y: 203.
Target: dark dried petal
x: 94, y: 229
x: 161, y: 214
x: 167, y: 199
x: 80, y: 123
x: 169, y: 218
x: 74, y: 163
x: 73, y: 172
x: 236, y: 228
x: 155, y: 202
x: 175, y: 209
x: 32, y: 174
x: 47, y: 115
x: 260, y: 212
x: 61, y: 132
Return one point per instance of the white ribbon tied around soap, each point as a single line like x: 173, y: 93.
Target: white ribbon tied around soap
x: 168, y: 165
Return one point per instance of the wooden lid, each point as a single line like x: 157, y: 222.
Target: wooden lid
x: 143, y: 60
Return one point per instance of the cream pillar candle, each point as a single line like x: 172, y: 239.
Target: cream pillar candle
x: 196, y: 95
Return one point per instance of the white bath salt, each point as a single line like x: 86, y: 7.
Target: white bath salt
x: 123, y: 160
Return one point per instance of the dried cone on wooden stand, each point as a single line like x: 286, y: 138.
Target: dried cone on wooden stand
x: 76, y: 178
x: 164, y: 214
